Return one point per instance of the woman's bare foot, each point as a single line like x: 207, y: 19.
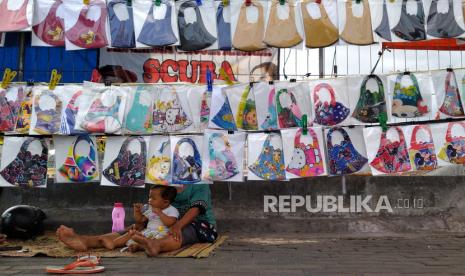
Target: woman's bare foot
x: 2, y: 238
x: 67, y: 236
x: 151, y: 247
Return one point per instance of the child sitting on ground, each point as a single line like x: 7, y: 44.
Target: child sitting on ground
x: 159, y: 216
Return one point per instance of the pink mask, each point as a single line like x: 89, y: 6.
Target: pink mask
x: 13, y: 20
x: 306, y: 160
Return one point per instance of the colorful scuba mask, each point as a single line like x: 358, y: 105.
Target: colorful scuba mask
x: 392, y: 157
x: 246, y: 117
x: 139, y: 117
x: 87, y: 33
x: 158, y: 32
x: 343, y: 158
x: 168, y: 114
x: 186, y: 169
x: 443, y: 25
x: 48, y: 121
x: 224, y: 29
x: 24, y: 113
x: 28, y: 170
x: 271, y: 120
x: 319, y: 32
x: 128, y: 168
x: 13, y: 16
x: 328, y: 113
x: 69, y: 120
x: 159, y: 166
x: 306, y: 159
x: 194, y: 36
x: 384, y: 29
x: 411, y: 27
x: 205, y: 109
x: 121, y: 24
x: 371, y: 103
x: 452, y: 104
x: 222, y: 164
x: 101, y: 118
x: 422, y: 154
x: 357, y: 30
x: 453, y: 150
x: 407, y: 101
x: 52, y: 29
x: 288, y: 116
x: 270, y: 162
x: 282, y: 32
x: 77, y: 168
x: 9, y: 108
x: 225, y: 118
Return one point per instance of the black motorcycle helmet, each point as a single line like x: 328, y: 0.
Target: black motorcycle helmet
x: 23, y: 222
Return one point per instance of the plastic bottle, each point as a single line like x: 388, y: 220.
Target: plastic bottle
x: 118, y: 216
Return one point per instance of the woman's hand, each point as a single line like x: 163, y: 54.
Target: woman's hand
x: 176, y: 232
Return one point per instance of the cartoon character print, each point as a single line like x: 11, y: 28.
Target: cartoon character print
x: 306, y: 159
x: 453, y: 150
x: 246, y: 117
x: 392, y: 157
x: 422, y: 153
x: 159, y: 166
x: 169, y: 116
x: 24, y: 113
x: 223, y: 164
x: 407, y: 100
x: 77, y: 168
x: 270, y: 163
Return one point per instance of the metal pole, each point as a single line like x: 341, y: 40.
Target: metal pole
x: 22, y: 48
x: 321, y: 57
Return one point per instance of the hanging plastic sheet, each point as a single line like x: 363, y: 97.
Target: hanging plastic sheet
x: 16, y: 15
x: 139, y: 110
x: 169, y: 113
x: 46, y: 111
x: 221, y: 113
x: 23, y: 121
x: 121, y: 18
x: 159, y: 161
x: 187, y: 159
x: 267, y: 163
x: 444, y: 24
x: 357, y: 29
x: 449, y: 139
x: 281, y: 30
x: 329, y: 103
x: 249, y: 26
x: 223, y: 25
x: 371, y: 102
x: 411, y: 27
x: 421, y: 147
x: 320, y: 28
x: 10, y: 101
x: 242, y: 102
x: 447, y: 93
x: 49, y: 25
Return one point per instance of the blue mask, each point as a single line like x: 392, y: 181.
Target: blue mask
x: 122, y: 31
x: 224, y: 118
x: 139, y: 118
x: 158, y: 32
x: 224, y: 29
x: 186, y: 169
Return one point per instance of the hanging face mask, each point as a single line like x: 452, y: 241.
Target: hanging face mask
x: 121, y: 24
x: 9, y: 108
x: 158, y: 32
x: 139, y: 117
x: 247, y: 114
x: 13, y: 15
x: 205, y: 109
x: 357, y: 30
x: 24, y: 113
x: 384, y: 29
x: 222, y: 164
x: 452, y: 104
x: 128, y: 169
x: 282, y: 32
x: 328, y: 113
x: 443, y: 25
x: 422, y: 154
x: 248, y: 35
x: 186, y: 169
x: 371, y: 103
x: 70, y: 115
x: 407, y: 101
x: 224, y: 28
x: 319, y: 31
x: 411, y: 27
x: 52, y: 29
x: 48, y: 121
x: 78, y: 168
x: 270, y: 162
x: 225, y: 118
x: 392, y: 157
x: 89, y: 33
x: 168, y: 114
x: 271, y: 121
x: 306, y: 159
x: 453, y: 150
x: 28, y: 170
x: 159, y: 167
x: 194, y: 36
x: 288, y: 116
x: 344, y: 158
x: 101, y: 118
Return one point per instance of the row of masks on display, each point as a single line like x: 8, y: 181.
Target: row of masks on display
x: 220, y: 156
x: 248, y: 25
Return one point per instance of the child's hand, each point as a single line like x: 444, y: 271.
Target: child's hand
x: 138, y: 207
x: 156, y: 210
x: 175, y: 232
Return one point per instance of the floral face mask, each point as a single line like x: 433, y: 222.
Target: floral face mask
x: 328, y: 113
x: 48, y: 121
x: 159, y: 167
x: 422, y: 154
x: 9, y: 108
x: 186, y: 169
x: 343, y: 158
x: 371, y: 103
x: 452, y: 104
x: 306, y: 159
x: 392, y: 157
x: 223, y: 164
x: 453, y: 150
x: 270, y: 162
x: 80, y: 168
x: 407, y: 101
x: 288, y: 116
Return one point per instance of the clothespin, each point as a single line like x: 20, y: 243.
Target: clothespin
x: 282, y: 2
x: 8, y: 77
x: 157, y: 2
x: 54, y: 79
x: 318, y: 1
x: 129, y: 3
x: 450, y: 69
x: 226, y: 77
x: 86, y: 2
x: 358, y: 1
x: 406, y: 73
x: 225, y: 3
x: 199, y: 2
x: 248, y: 2
x: 382, y: 119
x: 304, y: 124
x: 30, y: 83
x: 293, y: 80
x: 209, y: 81
x: 107, y: 83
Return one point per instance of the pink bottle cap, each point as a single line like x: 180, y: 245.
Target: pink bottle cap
x: 118, y: 204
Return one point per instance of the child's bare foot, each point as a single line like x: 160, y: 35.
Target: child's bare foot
x: 67, y: 236
x: 134, y: 247
x: 151, y: 247
x: 108, y: 242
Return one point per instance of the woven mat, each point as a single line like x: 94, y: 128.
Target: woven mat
x: 48, y: 245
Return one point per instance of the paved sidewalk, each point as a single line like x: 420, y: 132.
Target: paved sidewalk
x: 291, y: 255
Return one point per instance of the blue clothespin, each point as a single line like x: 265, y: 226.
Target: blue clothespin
x: 209, y: 80
x: 199, y: 2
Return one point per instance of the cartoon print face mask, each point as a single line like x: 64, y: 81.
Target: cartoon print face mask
x: 407, y: 101
x: 24, y: 113
x: 224, y: 29
x: 225, y: 118
x: 247, y: 114
x: 452, y: 104
x: 443, y: 25
x: 13, y: 15
x: 248, y: 35
x: 128, y: 168
x: 306, y: 159
x: 194, y: 36
x: 159, y: 167
x: 319, y: 32
x: 328, y: 113
x: 87, y: 33
x: 271, y: 121
x: 371, y: 103
x: 101, y: 118
x: 357, y: 30
x: 28, y: 170
x: 384, y: 29
x: 186, y: 169
x: 223, y: 164
x: 282, y: 32
x: 411, y: 27
x: 270, y: 162
x: 121, y: 24
x: 77, y: 168
x: 139, y: 117
x: 392, y: 157
x: 9, y: 108
x: 288, y: 116
x: 48, y: 121
x: 158, y: 32
x: 422, y: 154
x: 343, y: 158
x: 168, y: 114
x: 69, y: 120
x: 453, y: 150
x: 52, y: 29
x: 205, y: 109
